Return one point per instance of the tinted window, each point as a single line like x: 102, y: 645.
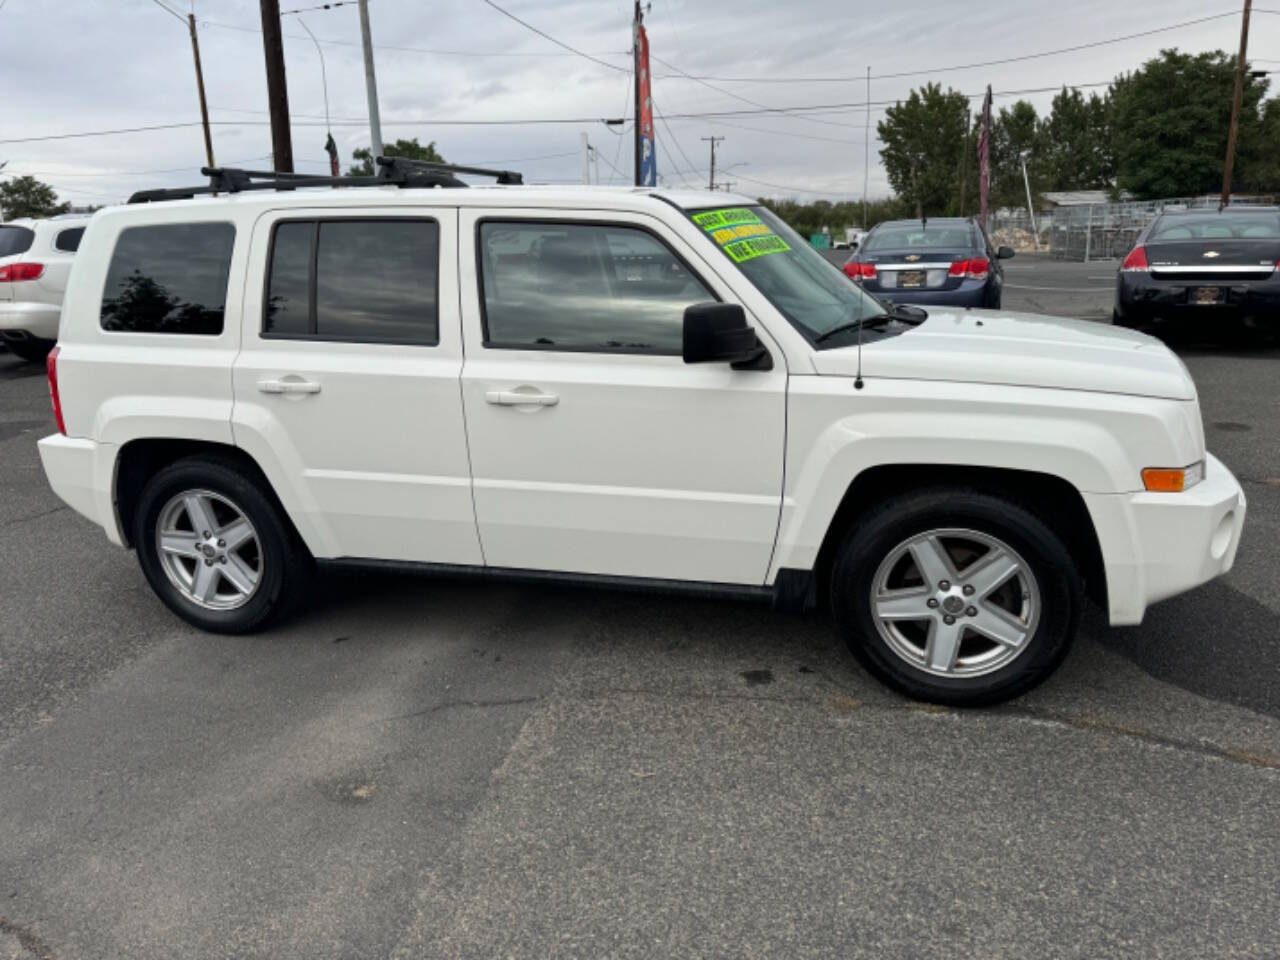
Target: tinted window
x: 69, y: 240
x: 583, y: 287
x: 15, y: 240
x: 897, y: 236
x: 1219, y: 226
x: 374, y: 281
x: 169, y: 278
x: 289, y: 285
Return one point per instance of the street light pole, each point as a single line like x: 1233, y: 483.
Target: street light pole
x: 1236, y: 102
x: 370, y: 84
x: 1035, y: 236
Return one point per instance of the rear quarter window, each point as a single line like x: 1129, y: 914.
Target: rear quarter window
x: 15, y: 240
x: 169, y: 278
x: 68, y: 241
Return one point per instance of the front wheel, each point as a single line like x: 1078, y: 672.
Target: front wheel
x: 956, y: 596
x: 216, y: 548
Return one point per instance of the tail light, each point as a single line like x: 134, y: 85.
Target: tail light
x: 976, y: 269
x: 860, y: 271
x: 1136, y: 261
x: 51, y: 364
x: 17, y: 272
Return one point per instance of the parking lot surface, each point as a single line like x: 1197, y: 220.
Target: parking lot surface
x: 425, y: 767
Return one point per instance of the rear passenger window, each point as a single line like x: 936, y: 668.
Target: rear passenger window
x: 169, y: 278
x: 68, y: 241
x: 565, y: 286
x: 362, y: 281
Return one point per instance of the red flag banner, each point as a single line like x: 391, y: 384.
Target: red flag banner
x: 984, y: 157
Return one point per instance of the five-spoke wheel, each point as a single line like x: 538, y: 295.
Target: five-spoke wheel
x: 209, y: 549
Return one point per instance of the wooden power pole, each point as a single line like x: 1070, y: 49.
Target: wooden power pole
x: 1236, y: 103
x: 277, y: 89
x: 711, y: 180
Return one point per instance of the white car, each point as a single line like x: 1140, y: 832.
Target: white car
x: 35, y: 261
x: 618, y: 387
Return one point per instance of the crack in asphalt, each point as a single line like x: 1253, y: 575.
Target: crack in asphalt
x: 34, y: 516
x: 459, y: 705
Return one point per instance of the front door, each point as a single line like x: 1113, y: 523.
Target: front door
x: 594, y: 448
x: 346, y: 387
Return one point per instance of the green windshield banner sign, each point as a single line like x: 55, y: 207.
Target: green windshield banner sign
x: 741, y: 233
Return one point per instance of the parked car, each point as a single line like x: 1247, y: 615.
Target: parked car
x: 1210, y: 270
x: 35, y: 261
x: 948, y: 260
x: 657, y: 389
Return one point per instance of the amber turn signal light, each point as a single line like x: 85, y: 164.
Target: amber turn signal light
x: 1167, y: 480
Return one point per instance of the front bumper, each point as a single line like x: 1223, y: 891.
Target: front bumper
x: 1157, y: 545
x: 82, y: 473
x: 21, y: 319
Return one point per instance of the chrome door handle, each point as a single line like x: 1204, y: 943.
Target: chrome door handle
x: 514, y: 398
x: 288, y: 385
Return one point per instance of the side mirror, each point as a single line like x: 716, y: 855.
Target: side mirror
x: 853, y: 245
x: 1005, y: 253
x: 718, y: 332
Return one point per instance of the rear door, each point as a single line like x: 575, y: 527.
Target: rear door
x: 595, y: 448
x: 347, y: 380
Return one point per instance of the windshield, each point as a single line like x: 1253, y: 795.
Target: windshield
x: 1219, y: 226
x: 15, y: 240
x: 896, y: 236
x: 807, y: 289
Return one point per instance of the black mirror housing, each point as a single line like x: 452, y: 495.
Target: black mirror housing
x: 719, y: 333
x: 1005, y: 253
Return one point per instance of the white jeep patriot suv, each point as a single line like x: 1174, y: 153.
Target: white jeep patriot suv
x: 619, y: 387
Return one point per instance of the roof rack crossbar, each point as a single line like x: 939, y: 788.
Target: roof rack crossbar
x: 392, y: 171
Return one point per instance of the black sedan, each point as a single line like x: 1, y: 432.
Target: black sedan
x: 947, y: 261
x: 1213, y: 270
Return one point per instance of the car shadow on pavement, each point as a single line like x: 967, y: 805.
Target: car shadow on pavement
x: 1184, y: 641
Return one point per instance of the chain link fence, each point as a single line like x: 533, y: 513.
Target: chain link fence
x: 1096, y: 231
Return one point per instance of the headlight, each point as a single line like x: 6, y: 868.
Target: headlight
x: 1172, y: 480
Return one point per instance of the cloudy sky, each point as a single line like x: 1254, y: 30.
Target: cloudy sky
x: 76, y: 66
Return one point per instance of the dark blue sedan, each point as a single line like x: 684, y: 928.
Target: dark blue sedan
x: 947, y: 260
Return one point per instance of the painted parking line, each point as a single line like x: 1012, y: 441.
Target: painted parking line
x: 1020, y: 286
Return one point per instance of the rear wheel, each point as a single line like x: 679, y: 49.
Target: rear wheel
x: 956, y: 596
x: 216, y: 548
x: 31, y: 349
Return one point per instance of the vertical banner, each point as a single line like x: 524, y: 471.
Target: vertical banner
x: 648, y: 159
x: 984, y: 157
x: 331, y: 149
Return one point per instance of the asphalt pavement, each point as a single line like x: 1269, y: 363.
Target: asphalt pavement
x: 423, y: 767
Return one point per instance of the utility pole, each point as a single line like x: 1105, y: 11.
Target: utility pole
x: 370, y: 85
x: 964, y: 156
x: 204, y: 107
x: 1236, y: 103
x: 711, y: 182
x: 277, y: 88
x: 586, y: 159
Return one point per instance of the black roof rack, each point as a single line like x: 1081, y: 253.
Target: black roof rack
x: 398, y: 171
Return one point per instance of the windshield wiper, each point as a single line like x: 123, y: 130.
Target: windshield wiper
x: 911, y: 316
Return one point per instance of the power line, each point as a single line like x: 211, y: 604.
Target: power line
x: 782, y: 186
x: 323, y: 6
x: 169, y: 10
x: 971, y: 66
x: 538, y: 121
x: 558, y: 43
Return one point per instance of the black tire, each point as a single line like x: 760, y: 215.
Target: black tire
x: 285, y: 563
x: 874, y: 539
x: 34, y: 350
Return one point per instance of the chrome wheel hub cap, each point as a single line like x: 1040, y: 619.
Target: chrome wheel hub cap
x: 209, y: 550
x: 955, y: 602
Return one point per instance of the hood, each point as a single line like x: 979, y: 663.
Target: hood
x: 1020, y: 349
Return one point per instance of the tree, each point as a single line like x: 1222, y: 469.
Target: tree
x: 1074, y: 143
x: 1014, y: 130
x: 923, y: 138
x: 28, y: 197
x: 401, y: 148
x: 1261, y: 172
x: 1170, y: 120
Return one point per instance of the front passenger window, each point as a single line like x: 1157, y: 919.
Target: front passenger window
x: 573, y: 286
